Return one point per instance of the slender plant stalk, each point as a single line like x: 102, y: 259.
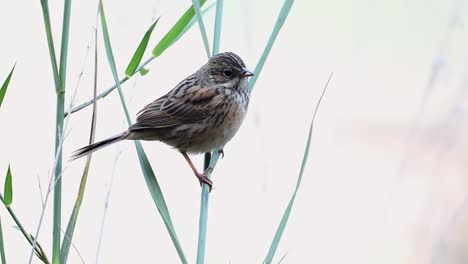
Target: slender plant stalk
x: 209, y: 158
x: 284, y: 219
x: 198, y: 13
x: 68, y: 237
x: 217, y: 28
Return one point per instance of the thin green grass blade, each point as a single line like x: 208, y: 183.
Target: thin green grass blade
x: 5, y: 85
x: 140, y: 51
x: 175, y: 31
x: 8, y: 190
x: 284, y: 219
x: 198, y: 14
x: 68, y: 237
x: 278, y: 25
x: 217, y: 28
x: 2, y: 245
x: 148, y: 173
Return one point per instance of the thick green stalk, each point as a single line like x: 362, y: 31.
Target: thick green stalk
x: 59, y: 133
x: 209, y: 158
x: 203, y: 220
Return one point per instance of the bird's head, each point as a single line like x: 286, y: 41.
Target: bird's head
x: 225, y: 69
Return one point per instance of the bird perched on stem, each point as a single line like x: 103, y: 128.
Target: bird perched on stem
x: 201, y: 114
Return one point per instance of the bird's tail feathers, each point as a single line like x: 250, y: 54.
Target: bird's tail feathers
x: 95, y: 146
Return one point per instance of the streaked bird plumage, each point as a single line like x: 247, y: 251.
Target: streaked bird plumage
x: 201, y: 114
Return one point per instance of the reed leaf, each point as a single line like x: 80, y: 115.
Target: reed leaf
x: 148, y: 173
x: 287, y: 212
x: 175, y: 31
x: 8, y: 190
x: 140, y: 51
x: 5, y: 84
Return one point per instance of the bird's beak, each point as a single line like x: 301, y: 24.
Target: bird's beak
x: 247, y: 73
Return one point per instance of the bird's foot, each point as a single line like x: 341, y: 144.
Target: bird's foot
x: 221, y: 151
x: 203, y: 179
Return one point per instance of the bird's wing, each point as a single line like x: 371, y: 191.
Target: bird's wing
x: 180, y: 106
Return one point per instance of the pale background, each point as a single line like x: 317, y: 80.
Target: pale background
x: 386, y: 179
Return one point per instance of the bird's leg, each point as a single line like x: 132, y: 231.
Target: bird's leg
x: 221, y: 151
x: 202, y: 178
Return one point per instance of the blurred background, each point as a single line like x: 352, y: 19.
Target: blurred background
x: 386, y: 178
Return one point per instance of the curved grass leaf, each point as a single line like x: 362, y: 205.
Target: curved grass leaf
x: 5, y: 85
x: 8, y: 191
x: 148, y: 173
x: 175, y: 31
x: 140, y: 51
x: 284, y: 219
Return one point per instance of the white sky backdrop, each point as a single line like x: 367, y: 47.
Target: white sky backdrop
x: 369, y: 195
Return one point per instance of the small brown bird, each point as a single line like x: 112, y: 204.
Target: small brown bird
x: 201, y: 114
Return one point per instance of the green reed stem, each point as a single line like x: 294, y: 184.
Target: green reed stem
x: 209, y: 158
x: 59, y: 132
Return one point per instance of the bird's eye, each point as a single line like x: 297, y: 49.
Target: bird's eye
x: 227, y: 73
